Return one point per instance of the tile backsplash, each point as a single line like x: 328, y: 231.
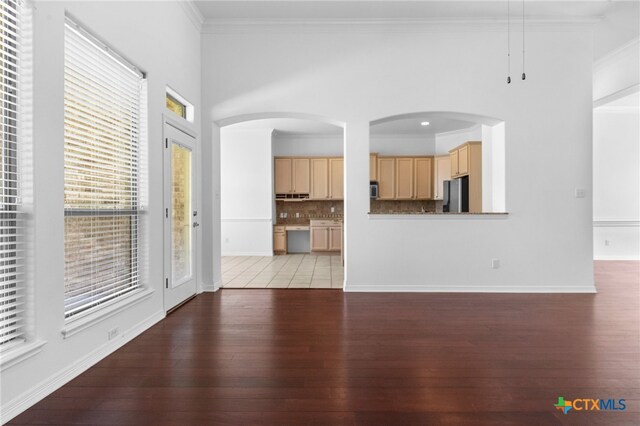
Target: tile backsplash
x: 400, y: 206
x: 307, y: 210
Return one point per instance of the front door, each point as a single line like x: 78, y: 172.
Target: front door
x: 180, y: 217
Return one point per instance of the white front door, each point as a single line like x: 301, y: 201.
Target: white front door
x: 181, y: 220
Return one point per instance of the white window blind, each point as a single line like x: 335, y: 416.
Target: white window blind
x: 11, y: 217
x: 102, y: 105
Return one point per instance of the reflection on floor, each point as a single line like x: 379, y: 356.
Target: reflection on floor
x: 289, y: 271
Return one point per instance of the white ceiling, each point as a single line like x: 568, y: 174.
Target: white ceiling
x: 401, y: 9
x: 403, y: 126
x: 290, y: 126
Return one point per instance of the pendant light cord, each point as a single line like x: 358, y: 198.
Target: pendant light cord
x: 523, y: 73
x: 508, y: 41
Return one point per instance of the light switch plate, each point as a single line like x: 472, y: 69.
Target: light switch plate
x: 580, y: 193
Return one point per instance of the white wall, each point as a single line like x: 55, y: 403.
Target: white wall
x: 368, y: 72
x: 402, y: 145
x: 246, y: 192
x: 447, y: 141
x: 308, y: 145
x: 168, y: 57
x: 616, y: 183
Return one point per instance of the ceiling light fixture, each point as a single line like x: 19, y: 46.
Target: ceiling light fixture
x: 424, y: 123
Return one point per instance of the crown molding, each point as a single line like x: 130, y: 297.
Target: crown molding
x: 533, y: 24
x: 621, y: 52
x: 193, y: 13
x: 460, y: 131
x: 599, y: 103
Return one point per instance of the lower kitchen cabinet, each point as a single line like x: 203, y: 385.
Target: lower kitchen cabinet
x: 279, y: 239
x: 326, y: 235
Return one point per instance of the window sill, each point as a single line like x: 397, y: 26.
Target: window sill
x: 76, y: 325
x: 20, y: 353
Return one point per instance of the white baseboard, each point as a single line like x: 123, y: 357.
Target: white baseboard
x: 27, y: 399
x: 614, y: 257
x: 468, y: 289
x: 248, y: 253
x: 210, y: 288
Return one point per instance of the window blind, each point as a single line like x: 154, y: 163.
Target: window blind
x: 102, y: 102
x: 11, y: 217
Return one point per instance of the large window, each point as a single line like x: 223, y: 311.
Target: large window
x: 12, y: 292
x: 102, y: 115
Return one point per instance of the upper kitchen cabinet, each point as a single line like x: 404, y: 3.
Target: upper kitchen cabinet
x: 404, y: 179
x: 373, y: 167
x: 327, y: 178
x: 468, y: 162
x: 423, y: 173
x: 387, y: 178
x: 336, y: 178
x: 291, y: 175
x: 441, y: 172
x: 319, y: 179
x: 466, y: 157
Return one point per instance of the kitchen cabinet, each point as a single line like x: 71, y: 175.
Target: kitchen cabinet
x: 386, y: 178
x: 326, y: 235
x: 327, y: 179
x: 404, y: 178
x: 336, y: 178
x: 423, y: 173
x: 373, y: 167
x: 442, y: 172
x: 453, y: 158
x: 466, y: 160
x: 291, y: 175
x: 319, y: 179
x: 279, y: 239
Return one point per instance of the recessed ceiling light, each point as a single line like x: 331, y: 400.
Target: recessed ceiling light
x: 424, y: 123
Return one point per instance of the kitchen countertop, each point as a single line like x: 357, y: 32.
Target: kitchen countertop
x: 439, y: 215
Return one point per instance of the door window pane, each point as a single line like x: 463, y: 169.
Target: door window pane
x: 181, y: 214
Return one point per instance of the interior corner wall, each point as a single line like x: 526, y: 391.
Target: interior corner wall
x: 168, y: 58
x: 616, y: 184
x: 246, y: 185
x: 368, y: 72
x: 447, y: 141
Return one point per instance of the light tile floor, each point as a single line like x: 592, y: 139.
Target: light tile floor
x: 287, y: 271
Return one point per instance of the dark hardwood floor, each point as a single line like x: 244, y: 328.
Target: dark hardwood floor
x: 324, y: 357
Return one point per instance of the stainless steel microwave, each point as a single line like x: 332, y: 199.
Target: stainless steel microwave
x: 373, y: 189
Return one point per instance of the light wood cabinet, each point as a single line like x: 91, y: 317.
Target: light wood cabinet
x: 319, y: 178
x: 282, y: 175
x: 326, y: 235
x: 466, y: 160
x: 386, y: 178
x: 423, y: 172
x: 453, y: 155
x: 291, y: 175
x: 442, y: 172
x: 404, y: 179
x: 373, y: 167
x: 336, y: 178
x: 335, y: 238
x: 300, y: 175
x: 319, y: 238
x: 463, y: 160
x: 279, y: 239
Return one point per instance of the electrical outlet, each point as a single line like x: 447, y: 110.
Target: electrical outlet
x: 580, y: 193
x: 333, y: 209
x: 297, y: 214
x: 226, y: 240
x: 285, y: 214
x: 495, y: 263
x: 112, y: 333
x: 607, y: 242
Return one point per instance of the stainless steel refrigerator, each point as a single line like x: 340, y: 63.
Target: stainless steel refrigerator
x: 455, y: 197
